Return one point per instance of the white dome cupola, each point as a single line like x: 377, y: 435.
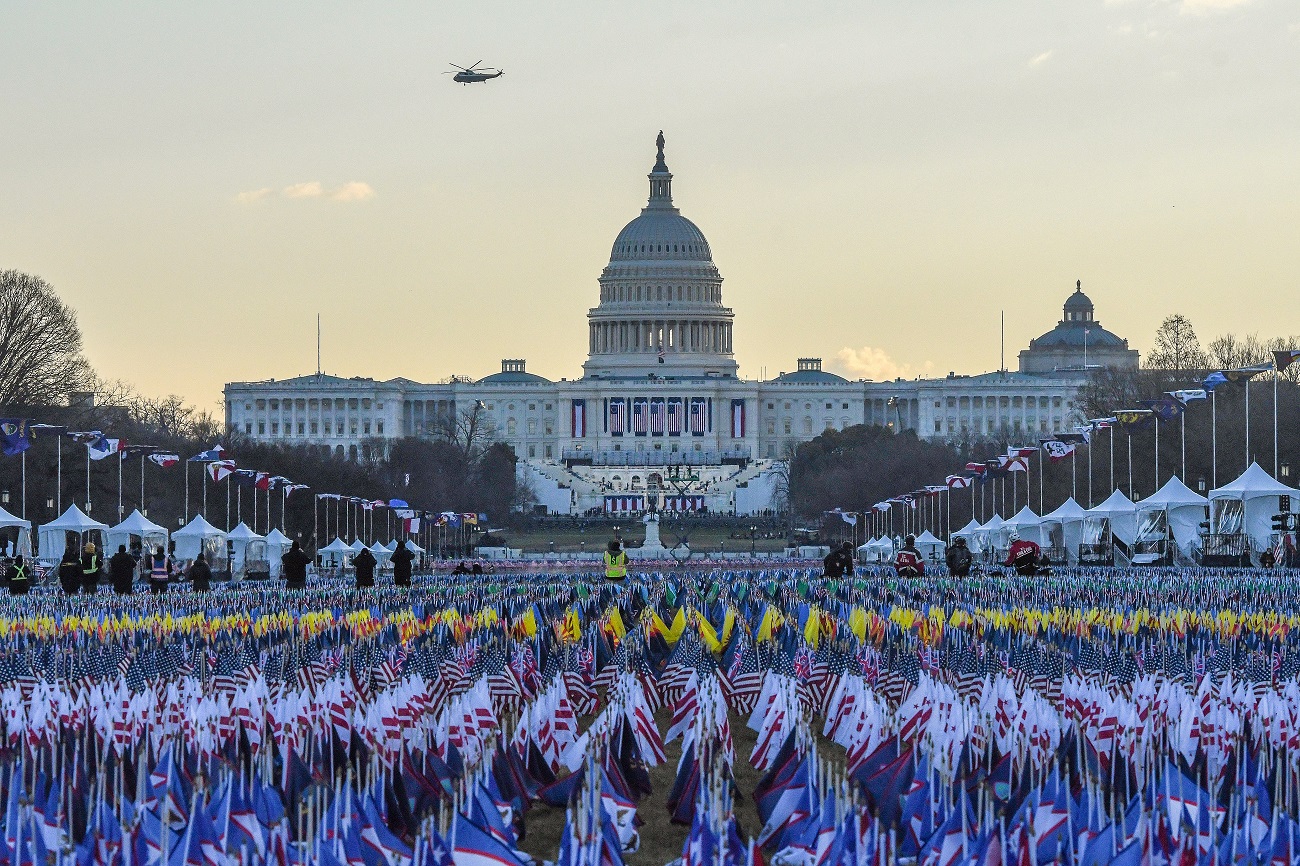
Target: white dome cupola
x: 660, y: 311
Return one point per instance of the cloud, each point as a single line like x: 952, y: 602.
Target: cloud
x: 310, y: 189
x: 875, y: 364
x: 253, y: 195
x: 1042, y: 58
x: 1206, y: 7
x: 354, y: 191
x: 351, y: 191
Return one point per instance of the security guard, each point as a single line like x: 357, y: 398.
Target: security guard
x: 615, y: 561
x: 16, y: 577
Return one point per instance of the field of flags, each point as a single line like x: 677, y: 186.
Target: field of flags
x: 1135, y: 716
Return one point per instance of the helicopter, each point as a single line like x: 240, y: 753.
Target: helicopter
x: 473, y: 74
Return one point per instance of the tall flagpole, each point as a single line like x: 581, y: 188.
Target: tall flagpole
x: 1214, y: 439
x: 142, y: 455
x: 1112, y: 457
x: 1182, y: 419
x: 1090, y: 432
x: 24, y: 511
x: 87, y: 479
x: 1042, y: 466
x: 1247, y: 422
x: 1074, y: 474
x: 120, y: 460
x: 1157, y: 417
x: 1130, y: 464
x: 1275, y: 416
x: 58, y: 480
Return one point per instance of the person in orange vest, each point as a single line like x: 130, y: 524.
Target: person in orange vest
x: 908, y: 562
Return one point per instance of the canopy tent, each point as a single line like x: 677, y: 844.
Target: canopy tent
x: 1247, y: 505
x: 246, y: 546
x: 357, y: 546
x: 877, y: 550
x: 970, y: 532
x: 1114, y: 520
x: 277, y: 543
x: 200, y: 536
x: 22, y: 538
x: 1175, y: 510
x: 380, y: 553
x: 986, y: 536
x: 137, y: 526
x: 391, y: 546
x: 930, y: 547
x: 1063, y: 528
x: 413, y: 547
x: 334, y: 554
x: 1026, y: 524
x: 54, y: 536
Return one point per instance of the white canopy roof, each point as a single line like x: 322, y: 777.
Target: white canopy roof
x: 927, y: 537
x: 1173, y: 494
x: 7, y: 520
x: 995, y: 522
x: 74, y: 520
x: 1252, y: 483
x: 866, y: 545
x: 357, y: 546
x: 968, y: 530
x: 335, y: 546
x: 138, y: 524
x: 1116, y: 503
x: 275, y: 536
x: 412, y: 546
x: 1066, y: 512
x: 199, y: 528
x: 1024, y: 517
x: 392, y: 545
x: 243, y: 533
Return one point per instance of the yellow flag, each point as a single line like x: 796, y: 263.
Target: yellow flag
x: 616, y: 622
x: 858, y: 623
x: 708, y: 636
x: 530, y: 622
x: 573, y: 626
x: 770, y: 623
x: 810, y: 629
x: 674, y: 633
x: 728, y: 624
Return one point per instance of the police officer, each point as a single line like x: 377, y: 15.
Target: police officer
x: 615, y: 561
x: 16, y: 576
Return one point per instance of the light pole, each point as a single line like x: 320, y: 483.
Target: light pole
x: 752, y: 530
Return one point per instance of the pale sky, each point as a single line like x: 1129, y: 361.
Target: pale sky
x: 877, y: 180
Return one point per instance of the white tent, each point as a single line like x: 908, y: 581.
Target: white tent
x: 391, y: 545
x: 877, y: 550
x: 357, y: 546
x: 1115, y: 519
x: 276, y: 545
x: 151, y: 535
x: 334, y: 554
x: 199, y: 535
x: 929, y: 546
x: 413, y: 547
x: 245, y: 545
x: 23, y: 541
x: 1025, y: 523
x: 970, y: 532
x: 54, y: 535
x: 1248, y: 504
x: 986, y: 536
x: 1063, y: 528
x: 1174, y: 510
x: 380, y: 553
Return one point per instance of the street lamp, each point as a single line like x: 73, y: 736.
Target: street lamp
x: 4, y: 497
x: 1200, y: 484
x: 752, y: 530
x: 1286, y: 468
x: 49, y: 503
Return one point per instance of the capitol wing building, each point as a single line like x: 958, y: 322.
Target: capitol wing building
x: 661, y: 418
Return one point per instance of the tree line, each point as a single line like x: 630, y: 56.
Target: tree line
x: 46, y: 378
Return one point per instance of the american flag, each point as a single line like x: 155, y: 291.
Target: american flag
x: 617, y: 416
x: 640, y: 416
x: 699, y: 417
x: 657, y: 412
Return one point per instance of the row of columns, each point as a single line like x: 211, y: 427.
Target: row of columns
x: 651, y: 336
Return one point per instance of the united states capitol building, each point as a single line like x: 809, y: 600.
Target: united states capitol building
x: 661, y: 417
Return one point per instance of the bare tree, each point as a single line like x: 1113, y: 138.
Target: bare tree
x: 470, y: 430
x: 40, y: 343
x: 1177, y: 348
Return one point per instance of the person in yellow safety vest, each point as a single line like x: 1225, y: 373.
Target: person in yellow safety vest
x: 89, y: 569
x: 615, y: 561
x: 16, y: 577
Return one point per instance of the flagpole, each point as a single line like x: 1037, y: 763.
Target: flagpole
x: 205, y: 492
x: 120, y: 458
x: 229, y: 481
x: 142, y: 482
x: 1214, y: 439
x: 1042, y: 466
x: 972, y: 499
x: 87, y: 479
x: 239, y: 506
x: 1247, y: 422
x: 1156, y: 415
x: 58, y: 491
x: 1129, y: 434
x: 1275, y: 416
x: 24, y: 511
x: 1090, y: 432
x: 1112, y: 457
x: 1074, y: 473
x: 1183, y: 432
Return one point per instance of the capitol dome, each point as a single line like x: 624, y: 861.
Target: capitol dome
x: 660, y: 313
